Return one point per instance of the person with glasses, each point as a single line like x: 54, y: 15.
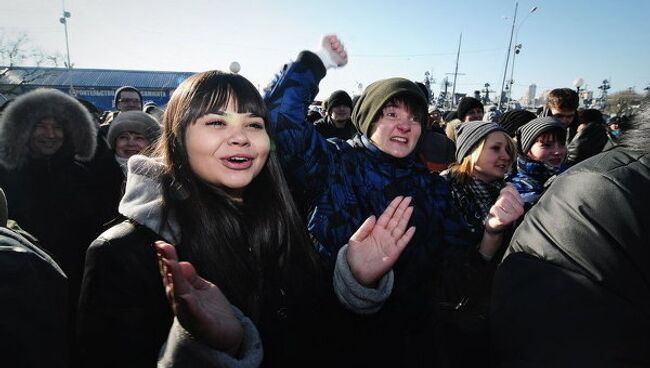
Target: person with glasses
x: 127, y: 98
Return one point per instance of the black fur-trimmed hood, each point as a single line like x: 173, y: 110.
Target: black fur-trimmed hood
x: 19, y: 119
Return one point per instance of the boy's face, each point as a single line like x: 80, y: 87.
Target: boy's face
x: 565, y: 116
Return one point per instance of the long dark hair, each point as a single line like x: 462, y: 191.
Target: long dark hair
x: 238, y: 246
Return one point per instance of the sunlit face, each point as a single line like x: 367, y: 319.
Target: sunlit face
x: 397, y: 131
x: 129, y: 101
x: 564, y: 116
x: 46, y: 139
x: 474, y: 114
x: 227, y: 149
x: 494, y: 161
x: 548, y: 150
x: 340, y: 113
x: 128, y: 144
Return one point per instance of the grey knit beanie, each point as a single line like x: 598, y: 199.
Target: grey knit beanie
x: 527, y: 133
x: 133, y: 121
x: 471, y: 133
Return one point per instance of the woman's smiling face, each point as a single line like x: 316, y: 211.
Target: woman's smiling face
x: 227, y: 149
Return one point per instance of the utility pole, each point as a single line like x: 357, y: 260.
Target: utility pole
x: 453, y: 90
x: 505, y: 70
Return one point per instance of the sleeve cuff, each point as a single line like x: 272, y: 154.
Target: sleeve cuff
x: 183, y: 350
x: 354, y: 296
x: 313, y: 62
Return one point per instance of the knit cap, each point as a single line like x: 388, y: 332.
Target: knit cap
x: 513, y: 119
x: 528, y: 133
x: 136, y: 122
x: 126, y: 88
x: 375, y: 97
x: 338, y: 98
x: 466, y: 104
x: 469, y: 134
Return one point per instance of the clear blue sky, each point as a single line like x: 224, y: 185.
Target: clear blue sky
x: 562, y: 40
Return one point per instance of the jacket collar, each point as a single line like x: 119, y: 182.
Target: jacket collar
x: 143, y: 198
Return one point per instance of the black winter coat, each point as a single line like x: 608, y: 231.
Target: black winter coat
x: 124, y: 317
x: 55, y: 201
x: 33, y: 311
x: 573, y: 289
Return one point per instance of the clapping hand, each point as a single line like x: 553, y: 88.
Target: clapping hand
x: 377, y: 244
x: 199, y: 305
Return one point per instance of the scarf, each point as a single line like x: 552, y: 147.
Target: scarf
x: 474, y: 199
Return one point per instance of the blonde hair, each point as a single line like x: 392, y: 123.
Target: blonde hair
x: 463, y: 171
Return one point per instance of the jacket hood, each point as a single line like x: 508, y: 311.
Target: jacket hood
x: 143, y: 198
x: 20, y: 118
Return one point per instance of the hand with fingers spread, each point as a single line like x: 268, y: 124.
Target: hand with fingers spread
x: 508, y: 207
x: 198, y: 304
x: 332, y: 52
x: 377, y: 244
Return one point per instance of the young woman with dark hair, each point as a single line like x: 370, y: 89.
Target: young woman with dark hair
x: 215, y: 189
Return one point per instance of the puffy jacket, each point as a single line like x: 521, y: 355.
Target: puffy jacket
x: 33, y: 314
x: 573, y: 288
x: 345, y: 182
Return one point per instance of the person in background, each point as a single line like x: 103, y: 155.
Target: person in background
x: 469, y: 109
x: 47, y: 139
x: 591, y: 136
x: 126, y: 98
x: 514, y: 119
x: 129, y: 134
x: 435, y: 120
x: 337, y: 123
x: 562, y: 104
x: 541, y: 153
x: 34, y: 311
x: 154, y: 110
x: 573, y: 287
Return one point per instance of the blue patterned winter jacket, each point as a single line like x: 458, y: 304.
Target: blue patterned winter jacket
x: 345, y: 182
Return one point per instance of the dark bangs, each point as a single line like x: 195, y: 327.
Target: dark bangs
x: 213, y: 92
x: 415, y: 106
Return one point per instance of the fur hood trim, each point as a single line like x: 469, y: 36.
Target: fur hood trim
x: 20, y: 118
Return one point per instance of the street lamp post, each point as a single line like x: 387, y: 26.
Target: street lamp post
x: 578, y: 83
x: 517, y: 50
x: 514, y: 50
x: 64, y: 20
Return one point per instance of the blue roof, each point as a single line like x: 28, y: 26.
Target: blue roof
x: 107, y: 78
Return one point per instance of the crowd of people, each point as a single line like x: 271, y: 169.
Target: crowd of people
x: 234, y: 229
